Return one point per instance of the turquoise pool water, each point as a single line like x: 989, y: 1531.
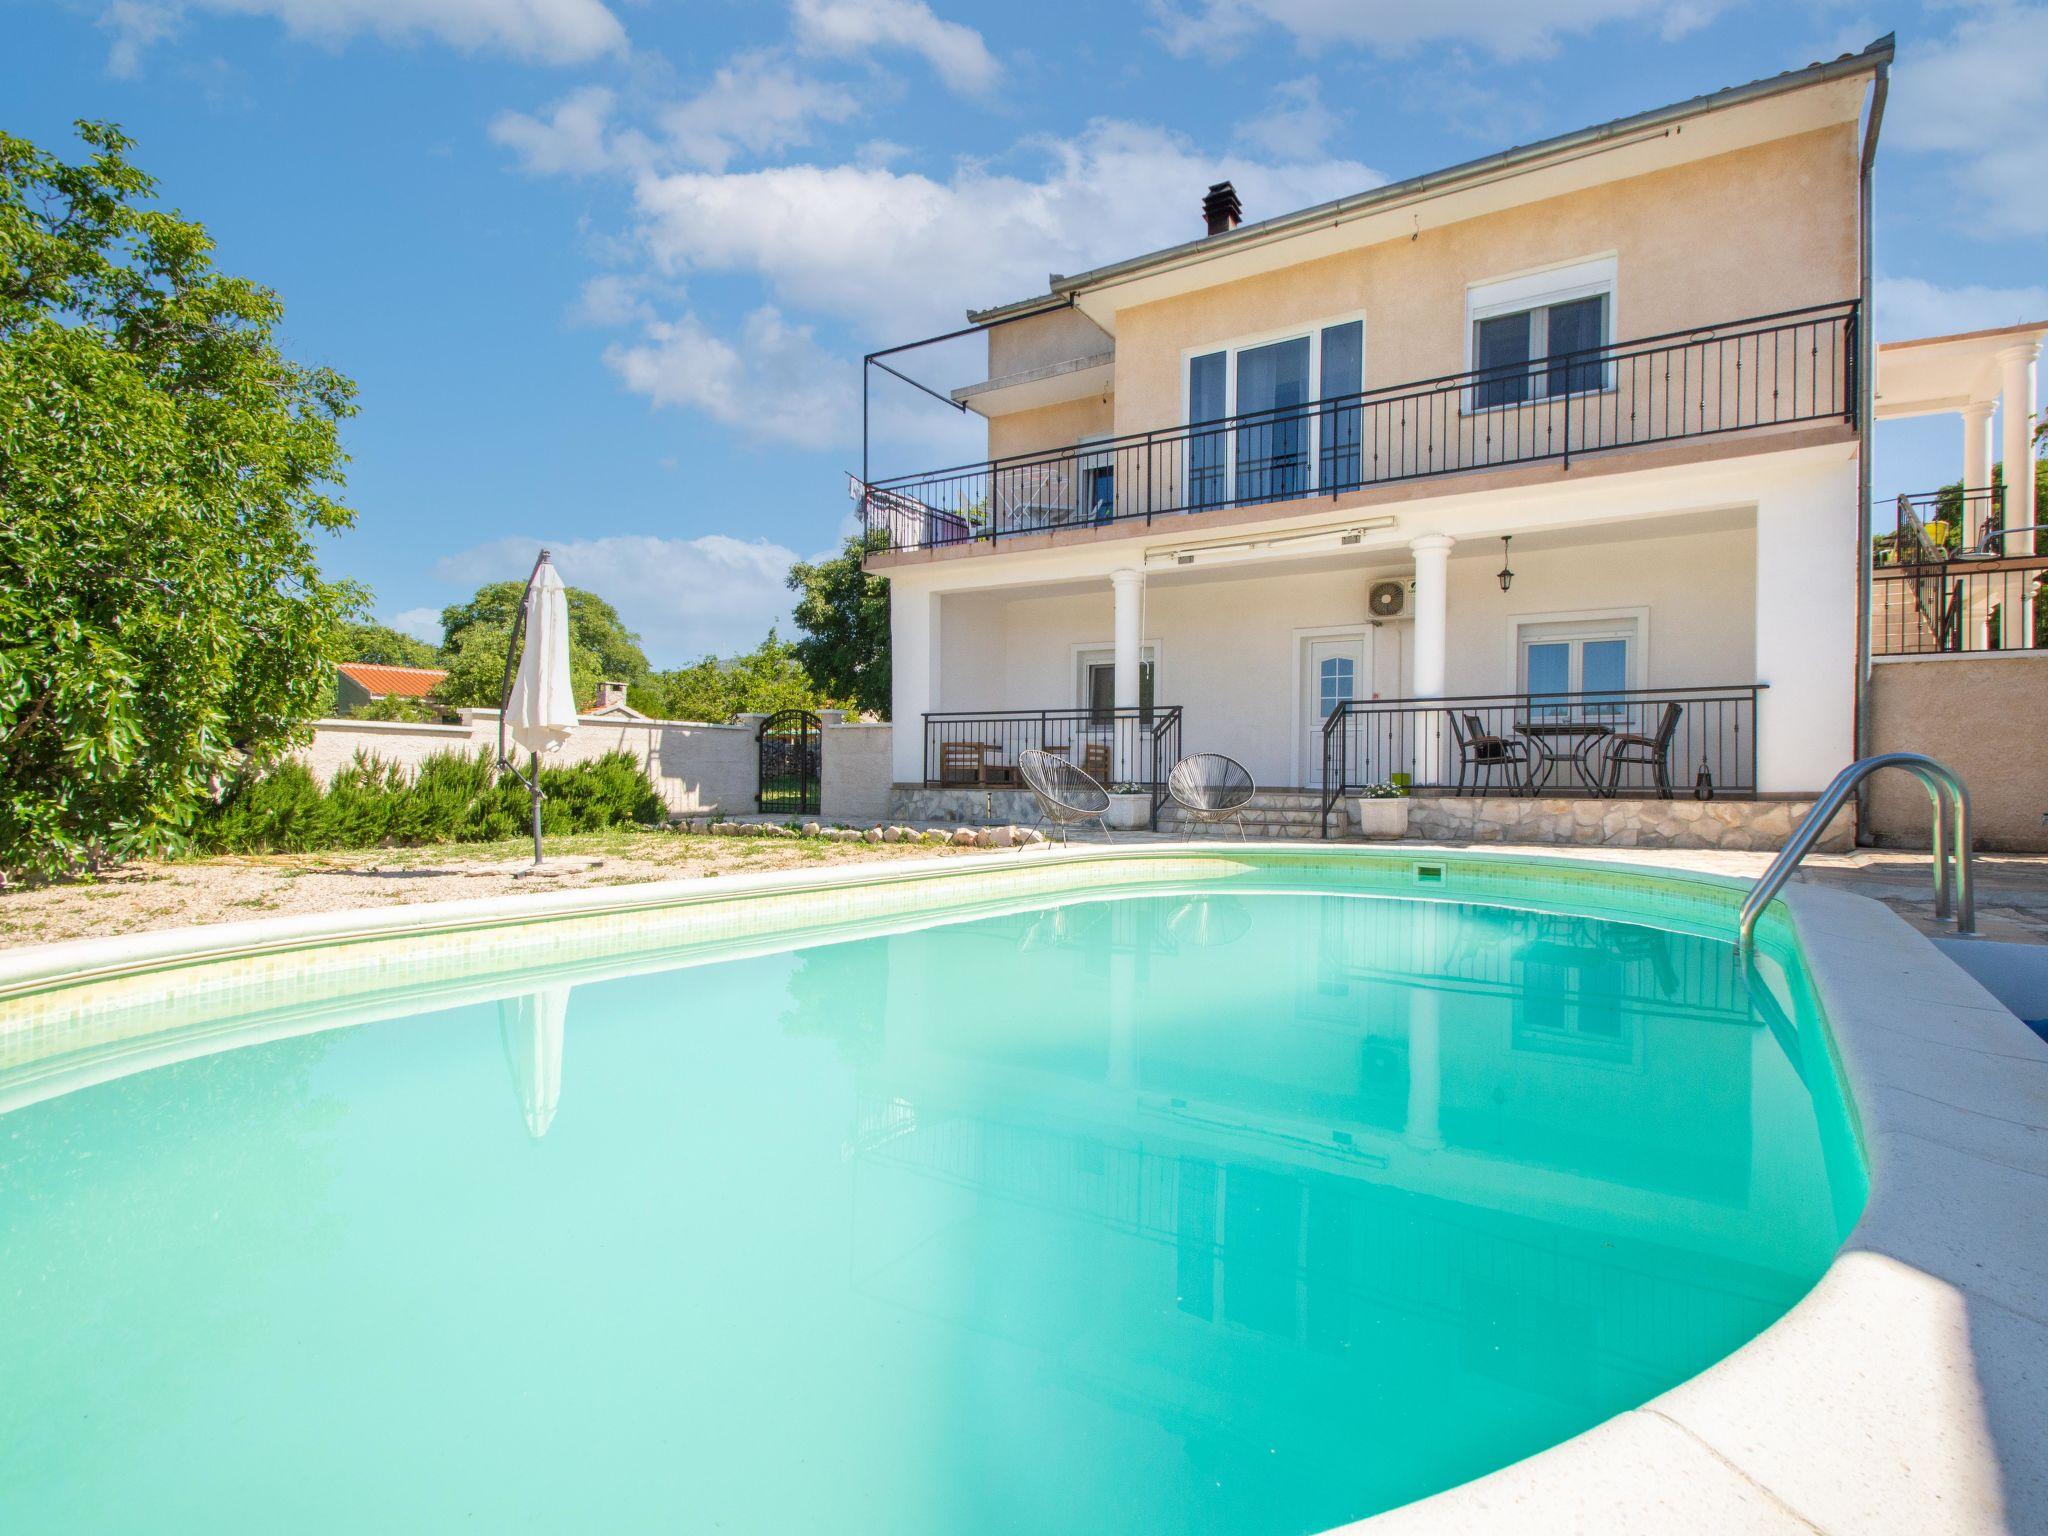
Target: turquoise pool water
x: 1193, y: 1211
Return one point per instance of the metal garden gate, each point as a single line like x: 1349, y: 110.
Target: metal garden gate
x: 789, y: 761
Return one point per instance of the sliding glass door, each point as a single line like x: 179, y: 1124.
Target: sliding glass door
x: 1286, y: 418
x: 1272, y: 445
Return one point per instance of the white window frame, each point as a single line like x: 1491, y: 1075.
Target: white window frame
x: 1630, y: 624
x: 1312, y: 331
x: 1537, y: 289
x: 1088, y: 654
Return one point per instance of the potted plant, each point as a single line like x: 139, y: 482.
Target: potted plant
x: 1130, y: 808
x: 1382, y: 810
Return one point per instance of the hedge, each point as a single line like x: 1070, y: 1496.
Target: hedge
x: 450, y: 799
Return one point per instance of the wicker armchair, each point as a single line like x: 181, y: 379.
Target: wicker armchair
x: 1065, y: 795
x: 1211, y: 788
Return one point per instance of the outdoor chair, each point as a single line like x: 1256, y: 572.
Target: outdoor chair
x: 1212, y: 788
x: 1095, y: 760
x: 1652, y: 752
x: 1065, y: 795
x: 1480, y: 752
x: 960, y: 762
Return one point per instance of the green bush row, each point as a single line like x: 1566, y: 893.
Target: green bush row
x: 450, y: 798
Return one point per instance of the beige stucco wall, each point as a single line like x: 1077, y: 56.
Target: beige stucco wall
x: 1984, y: 716
x: 1018, y: 346
x: 1747, y: 233
x: 1050, y: 426
x: 1228, y: 646
x: 693, y: 767
x: 854, y: 772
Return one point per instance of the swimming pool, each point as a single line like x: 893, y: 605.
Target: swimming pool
x: 1250, y: 1195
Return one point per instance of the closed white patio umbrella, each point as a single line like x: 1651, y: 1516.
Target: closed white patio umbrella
x: 539, y: 708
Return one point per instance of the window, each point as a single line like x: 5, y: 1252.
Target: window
x: 1336, y: 683
x: 1098, y: 685
x: 1538, y: 337
x: 1595, y: 659
x: 1279, y: 444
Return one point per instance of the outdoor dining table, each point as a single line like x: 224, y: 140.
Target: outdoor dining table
x: 1578, y: 738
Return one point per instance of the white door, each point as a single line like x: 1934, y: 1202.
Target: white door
x: 1334, y: 671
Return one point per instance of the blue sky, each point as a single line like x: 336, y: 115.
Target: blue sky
x: 604, y: 268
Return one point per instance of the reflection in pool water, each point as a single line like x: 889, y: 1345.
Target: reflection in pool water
x: 1245, y: 1212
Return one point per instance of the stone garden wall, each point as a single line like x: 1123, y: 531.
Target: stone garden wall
x: 1687, y: 823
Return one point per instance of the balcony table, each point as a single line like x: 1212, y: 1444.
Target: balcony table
x: 1580, y: 737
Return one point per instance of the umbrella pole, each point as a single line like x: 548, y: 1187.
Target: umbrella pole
x: 536, y: 810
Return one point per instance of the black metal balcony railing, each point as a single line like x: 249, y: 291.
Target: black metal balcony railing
x: 1951, y: 578
x: 1770, y: 371
x: 1930, y: 526
x: 1635, y: 741
x: 1132, y: 746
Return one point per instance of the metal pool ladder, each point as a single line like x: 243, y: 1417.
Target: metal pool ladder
x: 1951, y: 805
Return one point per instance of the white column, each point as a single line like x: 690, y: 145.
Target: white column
x: 914, y: 676
x: 2016, y: 408
x: 1425, y: 1070
x: 1432, y: 553
x: 1805, y: 628
x: 1977, y: 457
x: 1129, y: 587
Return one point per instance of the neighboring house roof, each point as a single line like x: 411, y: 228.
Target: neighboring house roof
x: 1927, y: 375
x: 1063, y: 288
x: 382, y: 682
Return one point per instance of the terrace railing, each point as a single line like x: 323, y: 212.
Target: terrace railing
x: 1951, y: 578
x: 1570, y: 744
x: 1770, y: 371
x: 1129, y: 748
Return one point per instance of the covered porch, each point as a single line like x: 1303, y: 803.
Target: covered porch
x: 1602, y: 650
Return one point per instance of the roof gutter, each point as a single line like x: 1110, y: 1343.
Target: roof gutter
x: 1866, y: 365
x: 1618, y: 134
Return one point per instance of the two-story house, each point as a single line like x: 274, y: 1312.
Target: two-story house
x: 1535, y: 474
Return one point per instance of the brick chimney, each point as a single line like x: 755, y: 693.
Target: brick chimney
x: 609, y: 696
x: 1221, y: 209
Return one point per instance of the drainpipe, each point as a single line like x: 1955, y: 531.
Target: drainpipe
x: 1866, y: 390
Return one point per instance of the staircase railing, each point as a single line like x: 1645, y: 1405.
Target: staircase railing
x: 1951, y: 840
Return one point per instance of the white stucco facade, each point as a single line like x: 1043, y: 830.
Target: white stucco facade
x: 1725, y: 572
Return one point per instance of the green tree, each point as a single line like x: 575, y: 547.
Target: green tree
x: 844, y: 615
x: 476, y: 633
x: 164, y: 470
x: 764, y: 680
x: 386, y: 646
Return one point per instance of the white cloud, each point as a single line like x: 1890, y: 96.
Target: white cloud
x: 1296, y: 126
x: 756, y: 103
x: 420, y: 623
x: 1982, y: 96
x: 894, y: 252
x: 1505, y: 28
x: 570, y: 141
x: 848, y: 28
x: 771, y: 383
x: 540, y: 31
x: 1912, y: 306
x: 685, y: 598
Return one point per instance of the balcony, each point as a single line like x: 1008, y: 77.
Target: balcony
x: 1745, y: 376
x: 1953, y: 579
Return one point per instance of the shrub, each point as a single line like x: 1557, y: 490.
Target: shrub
x: 449, y: 798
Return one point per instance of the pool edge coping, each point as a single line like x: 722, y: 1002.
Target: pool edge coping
x: 1881, y: 1402
x: 1895, y: 1397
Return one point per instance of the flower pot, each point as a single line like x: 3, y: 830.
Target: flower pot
x: 1382, y: 818
x: 1129, y: 813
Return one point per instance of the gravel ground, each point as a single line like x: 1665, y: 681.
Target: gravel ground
x: 145, y: 896
x: 2012, y: 889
